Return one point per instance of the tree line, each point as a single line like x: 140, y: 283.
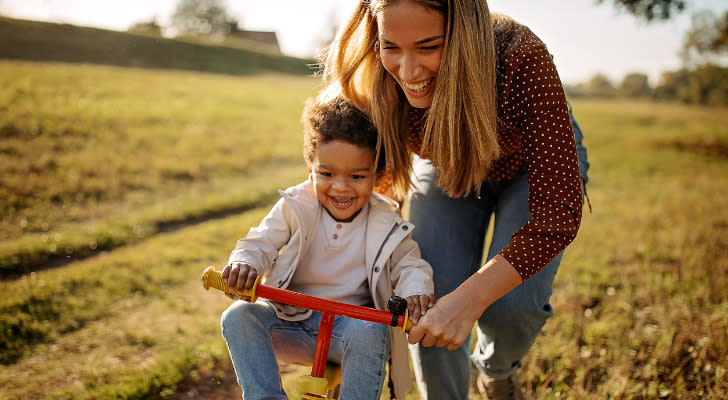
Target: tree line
x: 705, y: 84
x: 702, y: 80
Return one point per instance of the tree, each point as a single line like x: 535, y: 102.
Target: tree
x: 651, y: 10
x: 202, y: 18
x: 635, y: 85
x: 150, y: 27
x: 706, y: 85
x: 599, y: 86
x: 707, y: 39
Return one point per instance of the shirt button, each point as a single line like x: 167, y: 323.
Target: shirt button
x: 376, y: 269
x: 338, y: 226
x: 336, y: 236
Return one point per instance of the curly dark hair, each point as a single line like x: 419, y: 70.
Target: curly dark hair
x: 336, y: 119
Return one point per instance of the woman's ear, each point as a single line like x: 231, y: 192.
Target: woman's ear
x: 376, y: 49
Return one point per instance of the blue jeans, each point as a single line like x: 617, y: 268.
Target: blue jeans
x: 451, y: 234
x: 257, y: 338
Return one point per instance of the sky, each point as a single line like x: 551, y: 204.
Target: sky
x: 585, y: 38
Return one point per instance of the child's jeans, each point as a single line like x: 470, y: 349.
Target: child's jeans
x: 451, y: 233
x: 256, y: 337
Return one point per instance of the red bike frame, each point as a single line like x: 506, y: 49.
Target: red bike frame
x: 329, y: 309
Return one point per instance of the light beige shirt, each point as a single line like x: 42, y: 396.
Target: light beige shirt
x: 334, y: 267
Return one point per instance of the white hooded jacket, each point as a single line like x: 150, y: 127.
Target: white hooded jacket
x: 394, y: 266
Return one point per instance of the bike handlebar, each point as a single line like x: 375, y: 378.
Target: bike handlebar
x: 212, y: 278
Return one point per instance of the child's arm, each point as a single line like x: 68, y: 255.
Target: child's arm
x: 260, y: 247
x: 412, y: 277
x: 239, y: 277
x: 418, y: 304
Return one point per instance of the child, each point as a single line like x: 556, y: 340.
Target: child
x: 333, y: 238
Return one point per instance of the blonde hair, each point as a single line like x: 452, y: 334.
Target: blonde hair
x: 460, y: 130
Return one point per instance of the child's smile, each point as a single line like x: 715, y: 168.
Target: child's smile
x: 343, y: 176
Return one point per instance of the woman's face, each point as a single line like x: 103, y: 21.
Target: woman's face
x: 411, y: 39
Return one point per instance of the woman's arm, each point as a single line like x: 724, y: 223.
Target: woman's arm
x: 450, y: 321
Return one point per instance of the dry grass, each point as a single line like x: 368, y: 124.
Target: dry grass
x: 640, y: 300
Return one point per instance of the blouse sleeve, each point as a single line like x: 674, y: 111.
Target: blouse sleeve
x: 538, y: 109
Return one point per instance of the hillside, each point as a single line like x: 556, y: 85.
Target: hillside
x: 43, y: 41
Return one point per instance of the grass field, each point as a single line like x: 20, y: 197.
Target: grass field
x: 130, y: 181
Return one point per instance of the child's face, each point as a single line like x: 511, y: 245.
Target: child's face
x: 343, y: 177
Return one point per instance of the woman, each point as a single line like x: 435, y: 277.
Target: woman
x: 477, y: 98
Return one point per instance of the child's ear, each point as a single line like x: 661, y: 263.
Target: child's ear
x: 310, y: 175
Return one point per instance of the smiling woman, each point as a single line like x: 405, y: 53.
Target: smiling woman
x: 477, y: 99
x: 412, y: 56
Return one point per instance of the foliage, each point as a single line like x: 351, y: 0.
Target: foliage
x: 150, y: 27
x: 651, y: 9
x: 703, y: 85
x: 635, y: 85
x: 706, y: 85
x: 703, y: 79
x: 599, y: 86
x: 202, y: 18
x: 706, y: 41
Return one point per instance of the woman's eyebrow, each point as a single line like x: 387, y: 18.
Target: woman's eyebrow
x: 421, y: 41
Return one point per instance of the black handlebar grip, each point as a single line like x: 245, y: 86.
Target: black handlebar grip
x: 397, y: 305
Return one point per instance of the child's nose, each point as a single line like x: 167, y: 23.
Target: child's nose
x: 339, y: 183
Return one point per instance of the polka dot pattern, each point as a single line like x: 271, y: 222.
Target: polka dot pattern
x: 535, y: 132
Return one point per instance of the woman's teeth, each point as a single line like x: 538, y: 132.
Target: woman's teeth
x: 419, y: 86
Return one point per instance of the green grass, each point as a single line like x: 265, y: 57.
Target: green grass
x: 43, y: 41
x: 106, y: 157
x: 641, y: 306
x: 95, y: 157
x: 129, y: 325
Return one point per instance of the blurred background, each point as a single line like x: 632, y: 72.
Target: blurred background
x: 139, y: 139
x: 596, y: 44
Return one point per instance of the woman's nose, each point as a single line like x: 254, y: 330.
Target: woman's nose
x: 409, y: 68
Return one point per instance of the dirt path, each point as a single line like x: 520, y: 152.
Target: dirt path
x: 212, y: 385
x: 217, y: 385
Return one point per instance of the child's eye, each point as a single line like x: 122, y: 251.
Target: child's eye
x: 358, y: 176
x: 324, y: 173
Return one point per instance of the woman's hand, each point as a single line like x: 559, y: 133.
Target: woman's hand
x: 447, y: 324
x: 418, y: 304
x: 450, y: 321
x: 239, y: 277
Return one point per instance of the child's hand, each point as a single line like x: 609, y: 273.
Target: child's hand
x: 418, y: 304
x: 239, y: 277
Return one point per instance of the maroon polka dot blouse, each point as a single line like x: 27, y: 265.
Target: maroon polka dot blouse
x: 534, y: 132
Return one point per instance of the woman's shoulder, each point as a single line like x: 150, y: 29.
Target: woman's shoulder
x: 514, y: 40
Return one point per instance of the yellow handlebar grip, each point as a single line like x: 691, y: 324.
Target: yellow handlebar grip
x: 212, y: 278
x: 407, y: 323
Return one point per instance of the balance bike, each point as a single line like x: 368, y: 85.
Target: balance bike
x: 314, y: 386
